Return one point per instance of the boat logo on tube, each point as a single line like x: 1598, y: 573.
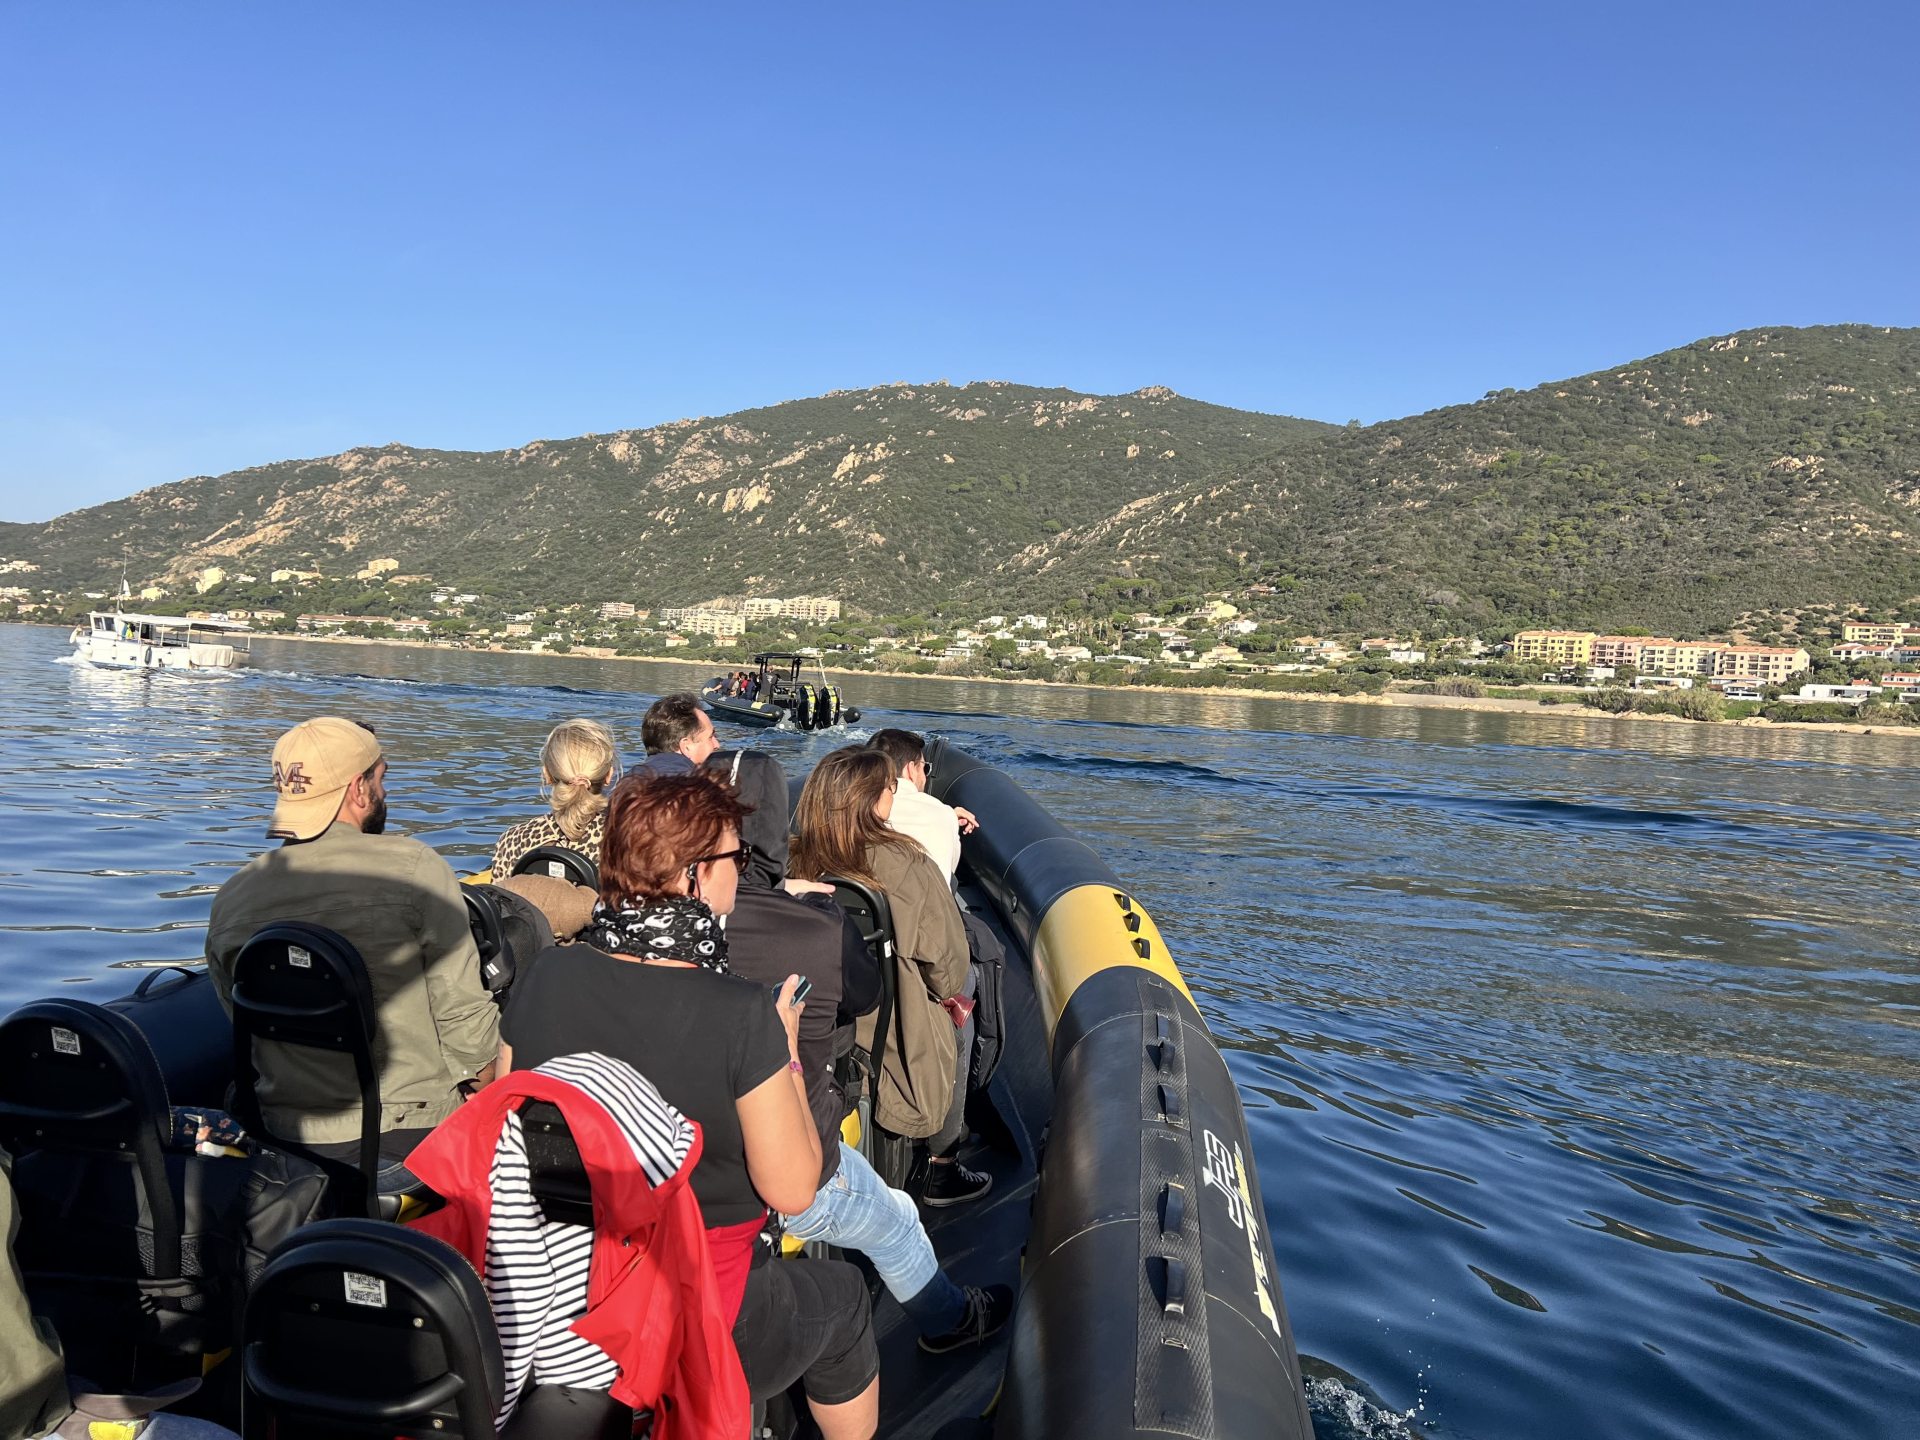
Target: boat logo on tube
x: 1222, y: 1175
x: 1226, y: 1171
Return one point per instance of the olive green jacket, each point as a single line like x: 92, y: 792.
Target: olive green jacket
x: 33, y: 1377
x: 916, y: 1074
x: 399, y: 904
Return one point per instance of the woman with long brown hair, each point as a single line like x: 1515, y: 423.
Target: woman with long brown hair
x: 840, y: 828
x: 651, y: 986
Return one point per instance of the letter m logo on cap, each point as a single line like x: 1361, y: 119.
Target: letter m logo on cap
x: 290, y: 779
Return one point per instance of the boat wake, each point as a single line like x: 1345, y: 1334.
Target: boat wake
x: 1341, y: 1412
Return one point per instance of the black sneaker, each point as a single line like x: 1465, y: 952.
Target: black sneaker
x: 988, y: 1308
x: 951, y: 1183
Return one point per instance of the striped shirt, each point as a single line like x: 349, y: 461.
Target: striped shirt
x: 537, y: 1270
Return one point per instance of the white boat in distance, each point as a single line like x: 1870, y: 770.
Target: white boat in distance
x: 160, y: 642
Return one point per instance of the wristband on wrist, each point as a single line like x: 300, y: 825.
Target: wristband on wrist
x: 794, y: 1066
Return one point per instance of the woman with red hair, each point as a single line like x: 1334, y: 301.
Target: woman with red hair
x: 651, y: 986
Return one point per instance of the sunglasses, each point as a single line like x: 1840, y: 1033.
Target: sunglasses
x: 738, y: 857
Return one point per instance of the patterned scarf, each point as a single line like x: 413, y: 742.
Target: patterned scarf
x: 662, y: 927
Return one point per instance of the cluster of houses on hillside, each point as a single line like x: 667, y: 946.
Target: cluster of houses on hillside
x: 1740, y: 671
x: 724, y: 619
x: 1875, y: 641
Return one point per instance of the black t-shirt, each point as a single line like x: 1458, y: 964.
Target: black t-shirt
x: 771, y: 935
x: 703, y: 1039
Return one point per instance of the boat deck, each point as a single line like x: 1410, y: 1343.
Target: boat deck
x: 922, y: 1395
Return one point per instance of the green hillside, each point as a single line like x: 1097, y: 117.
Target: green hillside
x: 890, y: 497
x: 1739, y: 481
x: 1753, y: 475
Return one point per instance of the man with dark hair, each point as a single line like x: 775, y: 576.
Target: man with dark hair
x: 397, y: 903
x: 934, y: 824
x: 677, y: 735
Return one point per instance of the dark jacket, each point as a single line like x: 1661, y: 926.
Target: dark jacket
x: 771, y: 935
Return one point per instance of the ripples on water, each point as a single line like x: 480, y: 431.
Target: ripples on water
x: 1579, y: 1056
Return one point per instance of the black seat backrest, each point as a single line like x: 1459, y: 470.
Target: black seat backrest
x: 489, y: 937
x: 868, y: 908
x: 361, y: 1328
x: 110, y: 1249
x: 560, y: 863
x: 301, y: 984
x: 559, y: 1179
x: 76, y: 1076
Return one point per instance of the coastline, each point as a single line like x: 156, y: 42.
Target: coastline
x: 1394, y: 699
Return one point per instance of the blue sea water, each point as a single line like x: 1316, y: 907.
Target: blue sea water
x: 1581, y: 1057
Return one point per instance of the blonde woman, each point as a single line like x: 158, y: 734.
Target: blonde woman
x: 577, y: 765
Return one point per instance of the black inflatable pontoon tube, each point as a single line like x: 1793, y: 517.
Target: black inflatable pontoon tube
x: 1150, y: 1303
x: 1025, y: 859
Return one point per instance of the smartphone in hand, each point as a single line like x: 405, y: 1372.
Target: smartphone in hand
x: 800, y: 993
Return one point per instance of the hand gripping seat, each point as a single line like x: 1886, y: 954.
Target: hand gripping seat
x: 121, y: 1233
x: 305, y: 985
x: 560, y: 863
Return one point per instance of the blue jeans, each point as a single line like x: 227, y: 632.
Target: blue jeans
x: 856, y: 1210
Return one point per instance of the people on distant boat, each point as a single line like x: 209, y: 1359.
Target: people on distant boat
x: 577, y: 764
x: 936, y: 825
x: 677, y: 735
x: 771, y: 933
x: 398, y: 903
x: 840, y: 828
x: 652, y: 985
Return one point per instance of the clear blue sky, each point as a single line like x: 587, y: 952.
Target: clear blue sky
x: 235, y: 233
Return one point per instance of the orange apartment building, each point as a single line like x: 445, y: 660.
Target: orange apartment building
x: 1681, y: 657
x: 1618, y: 650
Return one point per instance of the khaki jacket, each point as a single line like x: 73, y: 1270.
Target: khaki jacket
x: 33, y: 1377
x: 399, y: 904
x: 916, y: 1074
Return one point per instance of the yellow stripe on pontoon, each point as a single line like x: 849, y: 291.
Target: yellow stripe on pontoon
x: 1084, y: 932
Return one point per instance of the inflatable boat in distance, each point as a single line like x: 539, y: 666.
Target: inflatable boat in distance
x: 776, y: 695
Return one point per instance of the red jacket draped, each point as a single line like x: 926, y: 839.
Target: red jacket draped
x: 652, y: 1301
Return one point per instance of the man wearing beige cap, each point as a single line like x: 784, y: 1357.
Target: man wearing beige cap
x: 399, y: 905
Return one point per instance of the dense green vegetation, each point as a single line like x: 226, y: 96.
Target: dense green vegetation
x: 1762, y: 483
x: 1736, y: 480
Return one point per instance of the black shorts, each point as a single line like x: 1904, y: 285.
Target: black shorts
x: 807, y: 1318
